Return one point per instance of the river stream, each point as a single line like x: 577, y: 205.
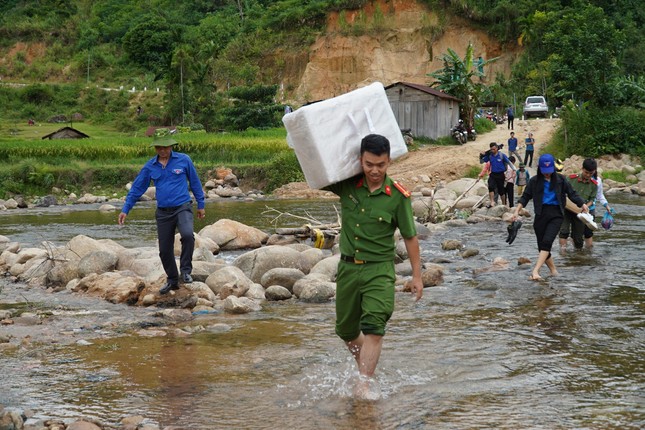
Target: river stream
x: 482, y: 350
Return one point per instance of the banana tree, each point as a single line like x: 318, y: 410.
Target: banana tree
x: 462, y: 78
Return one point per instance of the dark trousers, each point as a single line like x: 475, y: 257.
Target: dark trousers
x: 527, y: 155
x: 547, y: 226
x: 179, y: 218
x: 574, y: 227
x: 510, y: 188
x: 496, y: 183
x: 510, y: 122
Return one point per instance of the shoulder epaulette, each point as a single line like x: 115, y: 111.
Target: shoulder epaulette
x: 573, y: 176
x: 402, y: 189
x: 593, y: 181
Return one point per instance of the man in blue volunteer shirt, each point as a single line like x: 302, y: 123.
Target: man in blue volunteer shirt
x: 172, y: 173
x: 496, y: 179
x: 512, y: 147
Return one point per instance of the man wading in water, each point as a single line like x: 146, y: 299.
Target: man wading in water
x: 171, y: 172
x: 372, y: 208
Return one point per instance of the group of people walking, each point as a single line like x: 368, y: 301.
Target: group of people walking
x: 557, y: 199
x: 373, y: 208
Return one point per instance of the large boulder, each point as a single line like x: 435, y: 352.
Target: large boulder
x: 327, y: 267
x: 309, y: 258
x: 82, y: 245
x: 259, y: 261
x: 115, y: 287
x: 97, y: 262
x: 282, y: 276
x: 318, y: 292
x: 232, y: 235
x: 232, y: 278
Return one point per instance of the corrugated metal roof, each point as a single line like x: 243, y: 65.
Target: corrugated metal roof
x: 425, y: 89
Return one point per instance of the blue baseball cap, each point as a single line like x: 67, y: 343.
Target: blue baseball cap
x: 546, y: 163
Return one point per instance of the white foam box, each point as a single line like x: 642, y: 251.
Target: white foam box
x: 326, y: 136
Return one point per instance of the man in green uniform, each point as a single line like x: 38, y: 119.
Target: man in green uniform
x: 372, y: 208
x: 586, y: 187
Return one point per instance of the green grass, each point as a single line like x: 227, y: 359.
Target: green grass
x: 32, y: 166
x: 616, y: 175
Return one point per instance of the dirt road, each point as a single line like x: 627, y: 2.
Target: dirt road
x: 445, y: 163
x: 451, y: 162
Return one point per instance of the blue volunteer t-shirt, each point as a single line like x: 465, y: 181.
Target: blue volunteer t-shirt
x: 549, y: 197
x: 529, y: 143
x: 512, y: 144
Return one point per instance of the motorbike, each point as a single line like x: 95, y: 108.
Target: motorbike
x: 472, y: 134
x: 459, y: 133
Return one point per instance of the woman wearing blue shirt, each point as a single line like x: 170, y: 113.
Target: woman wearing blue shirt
x: 549, y: 191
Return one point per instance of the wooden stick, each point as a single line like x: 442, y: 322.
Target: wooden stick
x: 449, y: 208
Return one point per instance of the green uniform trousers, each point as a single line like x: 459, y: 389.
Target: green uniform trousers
x: 364, y: 298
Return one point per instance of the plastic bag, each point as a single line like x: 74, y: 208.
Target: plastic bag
x: 607, y: 220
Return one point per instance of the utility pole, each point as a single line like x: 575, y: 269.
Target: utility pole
x: 181, y: 89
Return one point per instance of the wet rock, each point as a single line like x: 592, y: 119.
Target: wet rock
x: 282, y: 276
x: 240, y: 305
x: 231, y: 277
x: 256, y: 292
x: 107, y: 208
x: 309, y: 258
x: 11, y: 204
x: 311, y: 278
x: 232, y: 235
x: 177, y: 315
x: 259, y: 261
x: 523, y: 260
x: 83, y: 425
x: 11, y: 419
x: 114, y: 287
x: 451, y: 244
x: 470, y: 252
x: 97, y: 262
x: 432, y: 276
x: 201, y: 290
x: 328, y: 267
x: 203, y: 269
x: 318, y: 292
x: 277, y: 292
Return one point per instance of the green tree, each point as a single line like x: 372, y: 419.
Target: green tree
x: 461, y: 78
x: 150, y: 44
x: 583, y: 47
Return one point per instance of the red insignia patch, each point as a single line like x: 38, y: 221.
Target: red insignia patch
x: 388, y: 190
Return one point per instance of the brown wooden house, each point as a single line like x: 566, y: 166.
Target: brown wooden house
x: 425, y: 111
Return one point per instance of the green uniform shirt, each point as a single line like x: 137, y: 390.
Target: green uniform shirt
x: 585, y: 189
x: 369, y: 220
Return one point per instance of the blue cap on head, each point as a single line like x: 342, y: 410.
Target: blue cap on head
x: 546, y: 163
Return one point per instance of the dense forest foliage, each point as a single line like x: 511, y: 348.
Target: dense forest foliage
x: 585, y: 55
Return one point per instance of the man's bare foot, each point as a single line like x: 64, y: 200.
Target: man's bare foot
x: 535, y: 277
x: 366, y: 388
x: 554, y: 273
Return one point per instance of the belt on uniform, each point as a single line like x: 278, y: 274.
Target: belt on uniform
x: 352, y: 259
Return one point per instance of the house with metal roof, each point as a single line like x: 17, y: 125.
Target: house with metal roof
x: 423, y: 110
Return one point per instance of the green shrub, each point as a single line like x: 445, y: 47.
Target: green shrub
x: 282, y: 169
x: 593, y: 131
x: 483, y: 125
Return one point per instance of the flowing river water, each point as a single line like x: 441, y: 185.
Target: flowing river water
x: 482, y: 350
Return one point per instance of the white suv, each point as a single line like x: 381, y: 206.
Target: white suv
x: 535, y: 106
